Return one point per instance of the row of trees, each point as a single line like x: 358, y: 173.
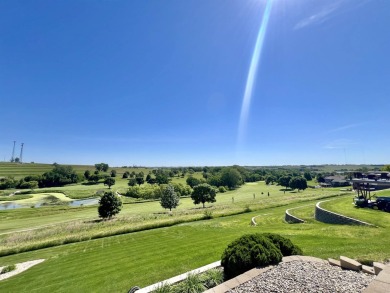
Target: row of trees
x: 110, y: 204
x: 227, y: 177
x: 155, y: 191
x: 296, y: 182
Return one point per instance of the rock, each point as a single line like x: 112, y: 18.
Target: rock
x: 334, y: 262
x: 308, y: 277
x: 378, y: 267
x: 368, y: 270
x: 350, y: 264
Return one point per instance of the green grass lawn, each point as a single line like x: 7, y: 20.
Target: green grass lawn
x: 346, y: 207
x: 20, y: 219
x: 117, y: 263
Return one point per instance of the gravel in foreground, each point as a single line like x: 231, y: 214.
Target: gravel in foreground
x: 299, y: 276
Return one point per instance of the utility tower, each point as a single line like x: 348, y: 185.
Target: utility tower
x: 13, y: 152
x: 21, y: 153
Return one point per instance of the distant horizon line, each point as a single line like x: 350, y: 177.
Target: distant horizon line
x: 182, y: 166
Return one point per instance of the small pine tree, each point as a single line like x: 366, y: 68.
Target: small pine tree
x: 109, y: 205
x: 169, y: 198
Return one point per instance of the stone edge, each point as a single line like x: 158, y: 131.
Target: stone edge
x: 358, y: 222
x: 179, y: 278
x: 291, y: 219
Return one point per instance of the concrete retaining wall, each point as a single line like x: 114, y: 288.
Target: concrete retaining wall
x: 292, y: 219
x: 329, y: 217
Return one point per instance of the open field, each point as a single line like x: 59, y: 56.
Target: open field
x: 21, y: 170
x: 13, y: 220
x: 115, y: 264
x: 145, y: 244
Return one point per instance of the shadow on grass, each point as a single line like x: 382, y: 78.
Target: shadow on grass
x: 90, y: 183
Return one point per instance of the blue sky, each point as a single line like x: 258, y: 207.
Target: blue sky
x: 162, y: 83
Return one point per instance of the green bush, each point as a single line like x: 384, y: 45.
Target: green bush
x: 212, y: 278
x: 222, y: 189
x: 164, y: 288
x: 207, y: 215
x: 8, y: 269
x: 247, y: 252
x: 285, y: 245
x: 193, y: 284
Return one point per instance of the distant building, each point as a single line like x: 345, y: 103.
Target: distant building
x: 373, y: 180
x: 335, y: 181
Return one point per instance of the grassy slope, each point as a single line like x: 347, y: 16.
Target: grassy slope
x: 12, y: 220
x: 346, y: 207
x: 117, y: 263
x: 21, y: 170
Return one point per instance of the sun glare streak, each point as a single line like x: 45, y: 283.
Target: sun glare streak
x: 253, y: 68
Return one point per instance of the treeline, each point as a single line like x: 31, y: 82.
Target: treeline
x: 59, y: 176
x: 222, y: 178
x: 156, y: 191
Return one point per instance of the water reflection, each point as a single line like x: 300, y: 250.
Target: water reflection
x: 75, y: 203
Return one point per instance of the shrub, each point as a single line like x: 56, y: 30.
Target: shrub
x: 8, y: 269
x: 285, y: 245
x: 207, y: 215
x: 247, y: 252
x: 193, y: 284
x: 212, y: 278
x: 222, y: 189
x: 164, y: 288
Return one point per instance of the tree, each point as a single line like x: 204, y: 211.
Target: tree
x: 162, y: 178
x: 110, y: 181
x: 307, y: 176
x: 285, y: 181
x: 109, y: 205
x: 386, y: 168
x: 59, y: 176
x: 87, y: 173
x: 94, y: 178
x: 299, y: 183
x: 320, y: 178
x: 270, y: 179
x: 203, y: 193
x: 192, y: 181
x: 231, y: 178
x: 132, y: 182
x: 148, y: 177
x: 169, y: 198
x: 113, y: 173
x: 101, y: 167
x: 126, y: 175
x: 140, y: 180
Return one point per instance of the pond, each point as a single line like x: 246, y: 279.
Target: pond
x: 84, y: 202
x: 74, y: 203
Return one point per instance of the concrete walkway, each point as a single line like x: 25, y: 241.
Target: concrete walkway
x: 381, y: 283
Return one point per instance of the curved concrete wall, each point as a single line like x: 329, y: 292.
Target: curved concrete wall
x: 292, y: 219
x: 329, y: 217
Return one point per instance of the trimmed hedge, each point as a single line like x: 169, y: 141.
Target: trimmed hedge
x: 255, y: 250
x: 247, y: 252
x: 284, y: 244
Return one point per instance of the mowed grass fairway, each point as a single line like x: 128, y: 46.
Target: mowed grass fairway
x: 20, y: 219
x: 115, y: 264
